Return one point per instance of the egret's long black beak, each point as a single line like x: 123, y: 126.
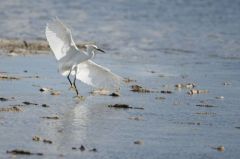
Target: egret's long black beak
x: 100, y: 50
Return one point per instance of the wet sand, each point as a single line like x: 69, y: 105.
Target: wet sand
x: 172, y: 123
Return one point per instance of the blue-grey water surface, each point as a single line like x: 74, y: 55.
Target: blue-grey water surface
x: 159, y: 43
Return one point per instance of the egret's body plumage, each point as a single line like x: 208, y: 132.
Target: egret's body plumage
x: 75, y: 61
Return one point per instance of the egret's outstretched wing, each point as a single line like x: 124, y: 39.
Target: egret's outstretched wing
x: 97, y: 76
x: 60, y: 39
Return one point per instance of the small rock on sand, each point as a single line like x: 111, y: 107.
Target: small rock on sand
x: 100, y: 92
x: 51, y: 117
x: 55, y: 93
x: 114, y: 94
x: 47, y: 141
x: 166, y: 92
x: 138, y: 142
x: 52, y: 92
x: 136, y: 118
x: 226, y: 83
x: 128, y: 80
x: 23, y: 152
x: 160, y: 98
x: 2, y: 99
x: 123, y: 106
x: 43, y: 89
x: 140, y: 89
x: 93, y: 150
x: 185, y: 85
x: 36, y: 138
x: 45, y: 105
x: 220, y: 97
x: 219, y: 148
x: 194, y: 91
x: 11, y: 109
x: 82, y: 148
x: 29, y: 103
x: 205, y: 105
x: 5, y: 77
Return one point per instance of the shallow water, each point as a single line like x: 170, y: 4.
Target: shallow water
x: 169, y: 127
x: 158, y: 43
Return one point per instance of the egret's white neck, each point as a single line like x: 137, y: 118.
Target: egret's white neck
x: 91, y: 53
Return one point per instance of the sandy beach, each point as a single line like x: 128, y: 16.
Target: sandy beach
x: 181, y: 98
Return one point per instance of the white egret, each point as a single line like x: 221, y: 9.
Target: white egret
x: 76, y: 61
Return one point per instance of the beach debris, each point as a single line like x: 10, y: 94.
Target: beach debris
x: 93, y: 150
x: 195, y: 91
x: 36, y: 138
x: 189, y: 123
x: 136, y: 118
x: 18, y: 46
x: 51, y: 117
x: 60, y: 130
x: 219, y: 97
x: 2, y: 99
x: 55, y: 93
x: 36, y: 76
x: 47, y: 141
x: 166, y: 92
x: 100, y: 92
x: 52, y: 92
x: 45, y: 105
x: 11, y: 109
x: 140, y: 89
x: 82, y: 148
x: 151, y: 71
x: 227, y: 83
x: 82, y: 98
x: 115, y: 94
x: 219, y: 148
x: 185, y: 85
x: 44, y: 89
x: 29, y: 103
x: 205, y: 105
x: 138, y: 142
x: 23, y: 152
x: 6, y: 77
x: 160, y: 98
x: 123, y: 106
x: 128, y: 80
x: 161, y: 75
x: 23, y: 46
x: 205, y: 113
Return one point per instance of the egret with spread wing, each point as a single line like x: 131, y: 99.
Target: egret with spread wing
x: 76, y: 61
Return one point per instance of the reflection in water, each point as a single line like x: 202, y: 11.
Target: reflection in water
x: 74, y: 126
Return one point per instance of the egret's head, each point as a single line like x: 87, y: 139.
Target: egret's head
x: 93, y: 48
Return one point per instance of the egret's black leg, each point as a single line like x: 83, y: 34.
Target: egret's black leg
x: 69, y: 77
x: 74, y: 84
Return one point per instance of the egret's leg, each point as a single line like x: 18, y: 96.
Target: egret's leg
x: 74, y: 84
x: 69, y: 77
x: 74, y: 81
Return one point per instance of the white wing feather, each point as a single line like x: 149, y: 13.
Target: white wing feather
x: 68, y: 55
x: 97, y: 76
x: 60, y: 39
